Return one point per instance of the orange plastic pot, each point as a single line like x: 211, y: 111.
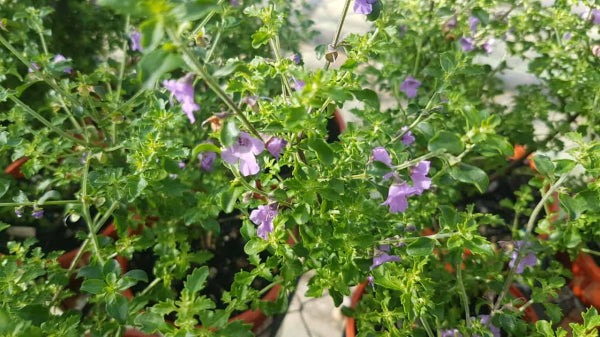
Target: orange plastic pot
x: 586, y: 280
x: 14, y: 169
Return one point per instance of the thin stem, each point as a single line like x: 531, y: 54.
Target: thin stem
x: 32, y: 203
x: 267, y: 288
x: 338, y: 33
x: 528, y: 230
x: 421, y: 118
x: 86, y: 210
x: 409, y: 239
x: 124, y: 61
x: 292, y: 235
x: 427, y: 327
x: 43, y: 120
x: 206, y: 19
x: 150, y: 286
x: 463, y: 293
x: 42, y: 39
x: 212, y: 48
x: 105, y: 216
x: 589, y: 251
x: 199, y: 70
x: 275, y: 46
x: 419, y: 159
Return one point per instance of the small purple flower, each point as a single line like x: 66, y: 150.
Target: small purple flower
x: 297, y: 59
x: 484, y: 319
x: 35, y: 66
x: 363, y: 6
x: 410, y: 86
x: 299, y: 84
x: 38, y: 213
x: 183, y: 90
x: 473, y: 22
x: 181, y: 165
x: 383, y: 258
x: 207, y: 159
x: 397, y: 197
x: 244, y: 151
x: 488, y: 45
x: 419, y: 177
x: 173, y: 175
x: 275, y: 145
x: 450, y: 333
x: 61, y: 58
x: 467, y: 43
x: 408, y: 137
x: 451, y: 23
x: 380, y: 154
x: 19, y: 212
x: 567, y: 36
x: 235, y: 3
x: 371, y: 281
x: 136, y: 42
x: 595, y: 16
x: 527, y: 260
x: 263, y: 217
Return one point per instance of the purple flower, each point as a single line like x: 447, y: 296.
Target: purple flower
x: 451, y: 23
x: 363, y: 6
x: 408, y: 137
x: 371, y: 281
x: 263, y: 217
x: 297, y: 59
x: 468, y: 44
x: 567, y: 36
x: 181, y: 165
x: 380, y: 154
x: 410, y: 86
x: 596, y: 50
x: 397, y: 197
x: 183, y: 90
x: 207, y: 159
x: 473, y: 22
x: 383, y: 258
x: 484, y: 319
x: 38, y: 213
x: 35, y: 66
x: 19, y: 212
x: 488, y: 45
x: 527, y: 260
x: 61, y: 58
x: 595, y: 16
x: 136, y: 42
x: 244, y: 151
x: 450, y: 333
x: 275, y: 145
x: 299, y: 84
x: 419, y: 177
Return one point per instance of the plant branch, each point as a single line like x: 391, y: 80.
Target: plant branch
x: 463, y: 294
x: 338, y: 32
x: 32, y: 203
x: 86, y: 210
x: 124, y: 61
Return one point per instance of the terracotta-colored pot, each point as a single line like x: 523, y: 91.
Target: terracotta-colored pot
x: 14, y: 169
x: 586, y: 280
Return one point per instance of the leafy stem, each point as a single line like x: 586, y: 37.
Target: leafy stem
x: 463, y: 293
x: 86, y: 210
x: 528, y: 230
x: 33, y: 203
x: 338, y: 32
x: 124, y: 61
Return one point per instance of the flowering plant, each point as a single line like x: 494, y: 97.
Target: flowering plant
x: 196, y: 129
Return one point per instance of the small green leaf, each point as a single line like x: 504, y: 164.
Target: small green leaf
x: 421, y: 247
x: 259, y: 38
x: 301, y: 214
x: 137, y: 274
x: 229, y: 133
x: 255, y: 246
x: 150, y: 322
x: 93, y: 286
x: 204, y: 147
x: 91, y: 272
x: 229, y: 198
x: 543, y: 165
x: 447, y: 141
x: 153, y: 31
x: 4, y: 185
x: 3, y: 226
x: 323, y: 150
x: 214, y: 319
x: 154, y: 64
x: 112, y: 266
x: 195, y: 281
x: 471, y: 175
x: 117, y: 307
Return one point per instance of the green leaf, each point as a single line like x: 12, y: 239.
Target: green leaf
x: 150, y: 322
x: 93, y: 286
x: 421, y: 247
x: 230, y: 197
x: 214, y: 319
x: 119, y: 6
x: 229, y: 68
x: 135, y: 186
x: 294, y: 116
x: 137, y: 274
x: 4, y: 185
x: 259, y: 38
x: 544, y: 328
x: 195, y: 281
x: 204, y: 147
x: 479, y: 246
x: 471, y: 175
x: 574, y: 206
x: 6, y: 93
x: 112, y: 266
x: 192, y: 10
x: 3, y: 226
x: 117, y: 307
x: 543, y: 165
x: 447, y: 62
x: 154, y: 64
x: 235, y: 328
x: 153, y: 31
x: 377, y: 7
x: 229, y: 133
x: 255, y: 246
x: 447, y: 141
x: 301, y: 214
x: 323, y: 150
x: 368, y: 96
x: 91, y: 272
